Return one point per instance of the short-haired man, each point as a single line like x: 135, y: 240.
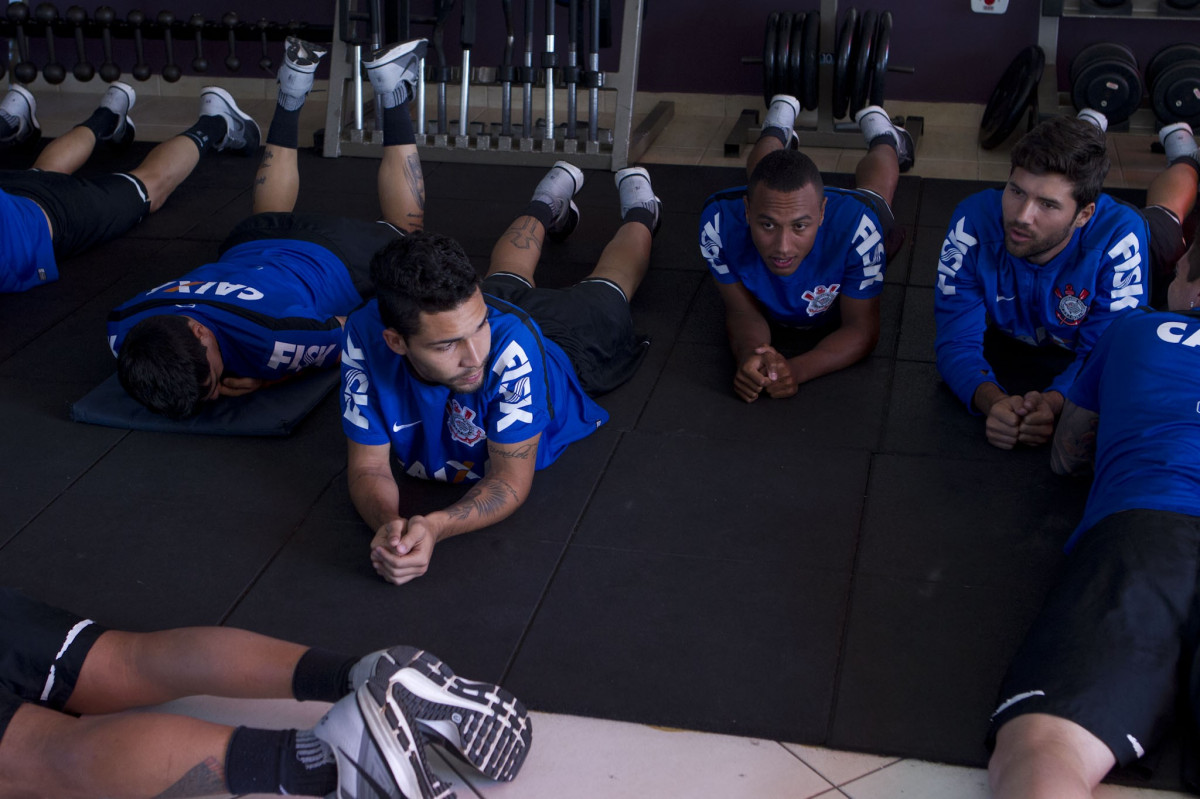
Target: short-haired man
x: 57, y: 665
x: 786, y: 252
x: 1097, y: 680
x: 484, y: 384
x: 1033, y: 273
x: 273, y: 305
x: 46, y: 213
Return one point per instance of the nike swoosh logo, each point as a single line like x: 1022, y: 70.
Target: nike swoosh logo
x: 1005, y: 299
x: 396, y: 428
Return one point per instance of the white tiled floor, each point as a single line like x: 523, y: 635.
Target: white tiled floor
x: 597, y: 759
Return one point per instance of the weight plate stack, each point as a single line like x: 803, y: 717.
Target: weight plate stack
x: 1173, y: 76
x: 1012, y: 96
x: 864, y: 40
x: 883, y: 36
x: 1105, y: 76
x: 812, y: 60
x: 841, y: 64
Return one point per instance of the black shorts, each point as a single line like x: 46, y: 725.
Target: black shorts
x: 83, y: 212
x: 589, y: 320
x: 353, y: 241
x: 42, y: 650
x: 1107, y: 648
x: 1167, y: 246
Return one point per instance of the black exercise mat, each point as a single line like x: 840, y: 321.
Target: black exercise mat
x: 851, y: 567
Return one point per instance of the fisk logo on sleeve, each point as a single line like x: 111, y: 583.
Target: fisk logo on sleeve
x: 515, y: 388
x: 1127, y: 279
x: 354, y: 385
x: 954, y: 249
x: 710, y: 245
x: 870, y: 249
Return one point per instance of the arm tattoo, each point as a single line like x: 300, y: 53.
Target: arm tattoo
x: 520, y: 454
x: 486, y: 498
x: 205, y: 779
x: 522, y: 236
x: 416, y: 181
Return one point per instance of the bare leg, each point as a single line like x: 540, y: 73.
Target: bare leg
x: 879, y: 171
x: 165, y: 167
x: 626, y: 258
x: 277, y: 183
x: 1174, y: 189
x: 764, y: 145
x: 402, y: 187
x: 125, y: 670
x: 519, y: 249
x: 68, y: 152
x: 49, y: 754
x: 1045, y: 757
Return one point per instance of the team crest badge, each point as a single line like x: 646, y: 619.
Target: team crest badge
x: 1071, y: 307
x: 820, y: 298
x: 461, y: 422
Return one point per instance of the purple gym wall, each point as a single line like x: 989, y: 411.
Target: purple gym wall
x: 697, y: 45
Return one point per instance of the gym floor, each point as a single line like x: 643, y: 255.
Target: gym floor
x: 585, y: 757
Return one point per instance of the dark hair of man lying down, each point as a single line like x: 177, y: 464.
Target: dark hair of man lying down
x: 1067, y: 146
x: 785, y: 171
x: 164, y: 366
x: 422, y: 271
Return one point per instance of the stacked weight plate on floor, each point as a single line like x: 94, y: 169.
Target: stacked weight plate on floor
x: 1105, y: 76
x: 1173, y: 76
x: 860, y: 60
x: 791, y: 55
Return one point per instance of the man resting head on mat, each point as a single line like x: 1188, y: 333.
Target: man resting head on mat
x: 1031, y: 274
x: 273, y: 305
x: 484, y: 383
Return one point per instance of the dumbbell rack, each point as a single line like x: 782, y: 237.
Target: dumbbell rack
x: 1051, y: 99
x: 345, y: 137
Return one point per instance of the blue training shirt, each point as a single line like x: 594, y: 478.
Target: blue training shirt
x: 1067, y: 302
x: 272, y: 305
x: 847, y: 257
x: 26, y: 250
x: 436, y: 433
x: 1143, y: 378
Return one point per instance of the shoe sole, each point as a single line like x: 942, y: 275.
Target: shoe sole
x: 567, y: 225
x: 494, y: 729
x: 309, y: 64
x: 400, y: 51
x: 250, y: 146
x: 393, y: 732
x: 907, y: 163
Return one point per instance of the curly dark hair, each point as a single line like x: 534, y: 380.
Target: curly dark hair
x: 164, y: 366
x: 1067, y: 146
x: 785, y: 171
x: 422, y: 271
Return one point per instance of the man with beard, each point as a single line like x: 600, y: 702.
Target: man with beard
x: 1031, y: 274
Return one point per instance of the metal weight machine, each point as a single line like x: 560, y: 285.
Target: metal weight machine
x: 532, y: 141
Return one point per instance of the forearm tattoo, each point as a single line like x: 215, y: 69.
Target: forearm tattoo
x: 484, y: 499
x: 416, y: 181
x: 205, y: 779
x: 522, y: 234
x: 521, y: 453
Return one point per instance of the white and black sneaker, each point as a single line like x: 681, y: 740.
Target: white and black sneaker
x: 295, y: 75
x: 874, y: 122
x: 782, y: 113
x: 394, y: 71
x: 242, y: 134
x: 378, y: 752
x: 482, y: 722
x: 120, y: 98
x: 19, y: 109
x: 556, y: 189
x: 635, y: 191
x: 1177, y: 141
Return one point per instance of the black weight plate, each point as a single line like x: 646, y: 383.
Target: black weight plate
x: 1011, y: 97
x: 796, y: 57
x: 769, y: 56
x: 1176, y: 94
x: 883, y: 37
x: 1114, y: 88
x: 841, y: 65
x: 1100, y: 51
x: 783, y: 43
x: 1168, y: 57
x: 863, y: 63
x: 812, y: 60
